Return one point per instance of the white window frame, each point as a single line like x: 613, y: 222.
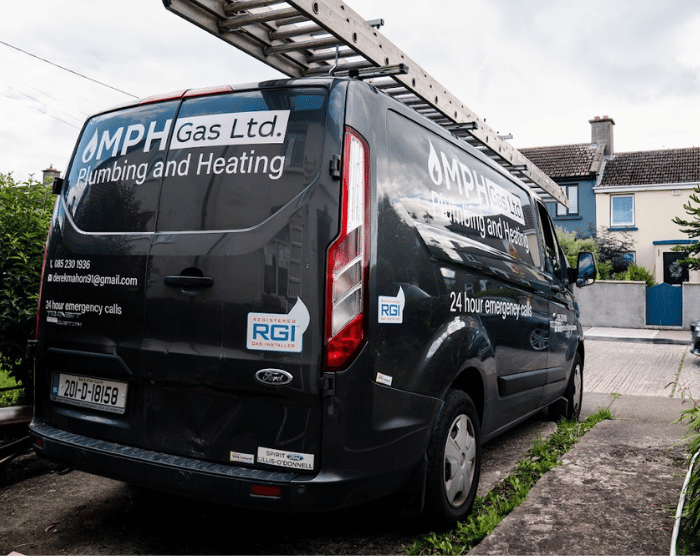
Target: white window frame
x: 613, y: 223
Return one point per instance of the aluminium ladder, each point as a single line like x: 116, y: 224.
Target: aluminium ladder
x: 303, y: 38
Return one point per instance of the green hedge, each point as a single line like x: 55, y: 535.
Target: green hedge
x: 25, y: 215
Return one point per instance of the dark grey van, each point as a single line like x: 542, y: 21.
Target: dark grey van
x: 297, y: 295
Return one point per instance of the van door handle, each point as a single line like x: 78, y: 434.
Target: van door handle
x: 189, y: 281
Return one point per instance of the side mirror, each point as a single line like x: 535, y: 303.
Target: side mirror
x: 57, y: 186
x: 585, y: 269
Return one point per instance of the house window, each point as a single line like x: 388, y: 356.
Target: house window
x: 622, y: 211
x: 630, y: 256
x: 571, y: 192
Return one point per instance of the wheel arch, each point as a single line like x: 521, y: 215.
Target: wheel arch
x: 471, y: 383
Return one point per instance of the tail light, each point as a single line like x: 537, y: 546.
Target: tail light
x: 348, y: 260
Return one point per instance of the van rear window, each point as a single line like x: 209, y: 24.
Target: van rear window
x: 237, y: 159
x: 221, y: 162
x: 112, y: 185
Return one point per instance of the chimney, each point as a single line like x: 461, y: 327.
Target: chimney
x: 602, y: 133
x: 50, y: 173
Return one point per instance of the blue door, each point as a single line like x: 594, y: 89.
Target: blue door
x: 665, y: 305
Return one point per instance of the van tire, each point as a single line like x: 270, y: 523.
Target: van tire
x: 573, y: 395
x: 454, y: 461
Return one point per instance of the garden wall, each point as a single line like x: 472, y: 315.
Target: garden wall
x: 619, y: 304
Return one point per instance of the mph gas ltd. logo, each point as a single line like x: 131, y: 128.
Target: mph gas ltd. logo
x: 240, y: 128
x: 472, y: 186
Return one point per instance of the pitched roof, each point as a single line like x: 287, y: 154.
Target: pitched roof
x: 566, y: 161
x: 653, y: 167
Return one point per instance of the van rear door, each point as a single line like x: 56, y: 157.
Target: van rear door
x: 233, y: 310
x: 91, y: 312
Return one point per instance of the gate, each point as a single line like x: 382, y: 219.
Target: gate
x: 665, y: 305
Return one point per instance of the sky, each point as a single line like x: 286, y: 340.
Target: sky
x: 536, y: 69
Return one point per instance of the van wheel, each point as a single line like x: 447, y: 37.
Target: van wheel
x: 573, y: 395
x: 454, y: 461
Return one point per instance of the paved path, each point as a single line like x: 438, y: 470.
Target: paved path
x: 617, y: 489
x: 641, y: 369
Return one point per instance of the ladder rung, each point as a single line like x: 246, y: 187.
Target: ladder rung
x: 326, y: 55
x: 301, y: 45
x: 236, y: 22
x: 393, y: 90
x: 466, y: 126
x: 292, y: 20
x: 296, y: 32
x: 413, y: 102
x: 236, y: 6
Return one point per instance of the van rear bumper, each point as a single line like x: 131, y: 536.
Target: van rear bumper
x: 215, y: 482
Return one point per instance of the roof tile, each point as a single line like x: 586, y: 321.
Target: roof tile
x: 653, y: 167
x: 564, y: 161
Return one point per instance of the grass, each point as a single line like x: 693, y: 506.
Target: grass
x: 490, y: 509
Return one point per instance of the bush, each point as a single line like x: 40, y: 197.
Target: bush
x: 605, y: 270
x: 572, y: 244
x: 11, y: 397
x: 636, y: 273
x: 25, y: 214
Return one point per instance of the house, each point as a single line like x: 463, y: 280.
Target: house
x: 634, y: 195
x: 639, y: 194
x: 576, y: 169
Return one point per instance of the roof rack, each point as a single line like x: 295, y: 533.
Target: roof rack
x: 303, y: 38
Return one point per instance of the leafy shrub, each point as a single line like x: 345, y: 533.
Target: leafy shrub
x: 11, y: 397
x: 25, y: 214
x: 638, y: 273
x: 605, y: 270
x: 572, y: 244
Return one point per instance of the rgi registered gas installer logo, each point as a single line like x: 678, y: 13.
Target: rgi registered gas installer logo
x: 273, y: 332
x: 391, y: 308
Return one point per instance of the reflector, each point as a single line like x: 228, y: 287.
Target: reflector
x: 269, y: 491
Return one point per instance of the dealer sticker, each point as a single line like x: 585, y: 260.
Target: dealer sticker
x: 280, y: 458
x: 240, y: 457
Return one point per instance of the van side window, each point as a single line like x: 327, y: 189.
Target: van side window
x: 461, y: 206
x: 555, y: 262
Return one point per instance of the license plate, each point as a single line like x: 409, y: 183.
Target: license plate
x: 85, y: 391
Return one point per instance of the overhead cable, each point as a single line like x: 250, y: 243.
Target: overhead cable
x: 67, y: 69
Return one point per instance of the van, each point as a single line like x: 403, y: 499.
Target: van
x: 299, y: 295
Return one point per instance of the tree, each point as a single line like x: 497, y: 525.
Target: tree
x: 612, y: 251
x: 25, y: 214
x: 692, y: 229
